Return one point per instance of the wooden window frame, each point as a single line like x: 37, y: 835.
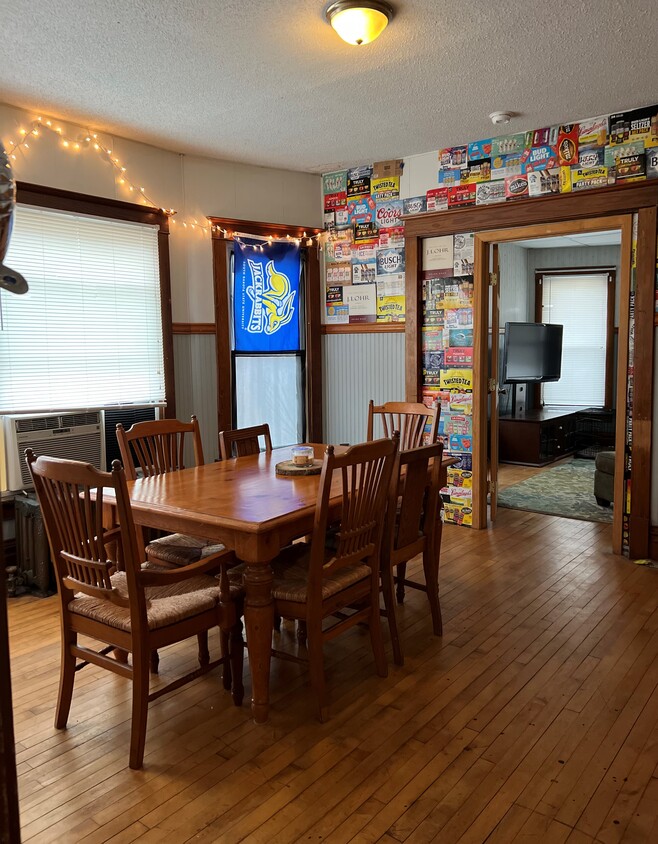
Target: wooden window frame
x: 221, y: 245
x: 611, y: 272
x: 113, y: 209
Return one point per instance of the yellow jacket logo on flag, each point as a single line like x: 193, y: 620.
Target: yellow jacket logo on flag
x: 272, y: 299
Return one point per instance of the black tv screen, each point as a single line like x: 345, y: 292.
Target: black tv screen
x: 533, y: 352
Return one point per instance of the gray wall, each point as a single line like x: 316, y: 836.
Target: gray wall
x: 357, y: 368
x: 196, y: 388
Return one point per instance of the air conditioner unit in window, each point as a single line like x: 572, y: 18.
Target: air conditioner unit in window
x: 76, y: 435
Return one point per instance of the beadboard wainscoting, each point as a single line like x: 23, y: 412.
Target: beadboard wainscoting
x: 357, y: 368
x: 196, y: 388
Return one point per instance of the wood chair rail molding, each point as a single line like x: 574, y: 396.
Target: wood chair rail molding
x: 221, y: 246
x: 574, y: 212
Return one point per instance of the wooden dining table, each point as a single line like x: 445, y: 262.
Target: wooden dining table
x: 245, y: 505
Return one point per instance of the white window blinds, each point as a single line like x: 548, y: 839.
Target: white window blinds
x: 580, y: 304
x: 89, y: 331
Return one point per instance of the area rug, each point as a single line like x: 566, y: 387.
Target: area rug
x: 566, y: 490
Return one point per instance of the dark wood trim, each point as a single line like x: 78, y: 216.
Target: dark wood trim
x: 543, y: 210
x: 81, y: 203
x: 480, y: 379
x: 313, y: 301
x: 313, y: 308
x: 610, y: 318
x: 193, y: 328
x: 413, y: 317
x: 220, y: 263
x: 258, y: 228
x: 9, y: 819
x: 365, y: 328
x: 167, y: 335
x: 99, y: 206
x: 640, y: 518
x: 653, y: 543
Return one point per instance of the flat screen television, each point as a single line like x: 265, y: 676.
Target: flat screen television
x: 532, y: 352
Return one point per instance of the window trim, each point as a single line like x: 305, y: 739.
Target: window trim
x: 42, y: 196
x: 610, y: 330
x: 221, y: 247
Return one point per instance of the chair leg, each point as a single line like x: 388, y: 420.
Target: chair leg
x: 376, y: 638
x: 66, y: 678
x: 431, y: 569
x: 154, y: 660
x: 277, y: 623
x: 236, y: 663
x: 302, y: 632
x: 139, y: 708
x: 316, y: 668
x: 224, y: 638
x: 399, y: 591
x: 389, y: 604
x: 204, y: 653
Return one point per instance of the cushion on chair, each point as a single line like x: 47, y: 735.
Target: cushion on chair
x: 165, y: 604
x: 181, y: 550
x: 290, y: 568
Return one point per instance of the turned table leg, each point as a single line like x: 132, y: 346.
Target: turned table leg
x: 259, y: 618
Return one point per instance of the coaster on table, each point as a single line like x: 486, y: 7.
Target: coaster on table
x: 288, y: 469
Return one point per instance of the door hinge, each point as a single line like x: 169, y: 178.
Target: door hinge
x: 493, y: 279
x: 492, y: 486
x: 492, y: 384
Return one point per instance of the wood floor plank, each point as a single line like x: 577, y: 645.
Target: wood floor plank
x: 534, y: 717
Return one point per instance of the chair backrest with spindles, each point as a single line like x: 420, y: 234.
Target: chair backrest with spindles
x: 158, y: 446
x: 364, y: 473
x: 71, y: 497
x: 414, y: 502
x: 409, y: 418
x: 242, y: 442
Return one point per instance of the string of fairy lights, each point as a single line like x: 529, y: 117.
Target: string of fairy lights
x: 89, y: 139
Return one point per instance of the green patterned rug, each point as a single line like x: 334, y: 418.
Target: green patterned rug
x: 566, y: 490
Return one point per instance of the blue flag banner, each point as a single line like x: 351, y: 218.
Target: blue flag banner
x: 266, y: 297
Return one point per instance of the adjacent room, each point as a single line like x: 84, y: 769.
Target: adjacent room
x: 328, y: 375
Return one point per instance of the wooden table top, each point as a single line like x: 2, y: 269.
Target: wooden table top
x: 244, y: 493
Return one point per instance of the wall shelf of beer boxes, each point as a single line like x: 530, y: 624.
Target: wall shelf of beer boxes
x: 364, y: 255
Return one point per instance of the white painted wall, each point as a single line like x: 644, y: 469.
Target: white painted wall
x: 196, y: 187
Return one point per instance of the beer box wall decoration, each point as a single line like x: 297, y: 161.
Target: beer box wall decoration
x: 366, y: 204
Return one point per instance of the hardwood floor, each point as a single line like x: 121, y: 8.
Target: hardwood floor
x: 534, y: 717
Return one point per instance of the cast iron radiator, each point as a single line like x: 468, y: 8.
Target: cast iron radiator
x: 33, y: 568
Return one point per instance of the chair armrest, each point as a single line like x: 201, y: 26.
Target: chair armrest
x: 163, y: 577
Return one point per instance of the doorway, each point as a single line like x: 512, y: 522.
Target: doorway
x: 533, y: 425
x: 558, y: 318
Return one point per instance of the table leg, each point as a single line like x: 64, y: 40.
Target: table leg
x: 259, y: 618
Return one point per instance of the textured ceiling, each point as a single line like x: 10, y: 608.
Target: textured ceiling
x: 270, y: 82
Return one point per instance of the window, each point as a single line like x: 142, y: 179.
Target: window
x: 89, y: 332
x: 580, y: 303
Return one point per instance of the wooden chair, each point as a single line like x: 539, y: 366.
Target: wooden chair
x: 242, y: 442
x: 137, y: 609
x: 312, y: 583
x: 409, y: 418
x: 158, y: 447
x: 413, y: 527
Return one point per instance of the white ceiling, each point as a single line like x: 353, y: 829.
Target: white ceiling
x: 271, y: 83
x: 611, y: 238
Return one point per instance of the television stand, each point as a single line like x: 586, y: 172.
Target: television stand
x: 538, y: 437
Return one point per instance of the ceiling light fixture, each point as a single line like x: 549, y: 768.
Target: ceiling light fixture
x: 359, y: 21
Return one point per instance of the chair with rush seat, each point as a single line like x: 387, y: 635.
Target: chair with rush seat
x: 158, y: 447
x: 132, y: 609
x: 313, y: 583
x: 242, y: 442
x: 413, y: 527
x: 409, y: 418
